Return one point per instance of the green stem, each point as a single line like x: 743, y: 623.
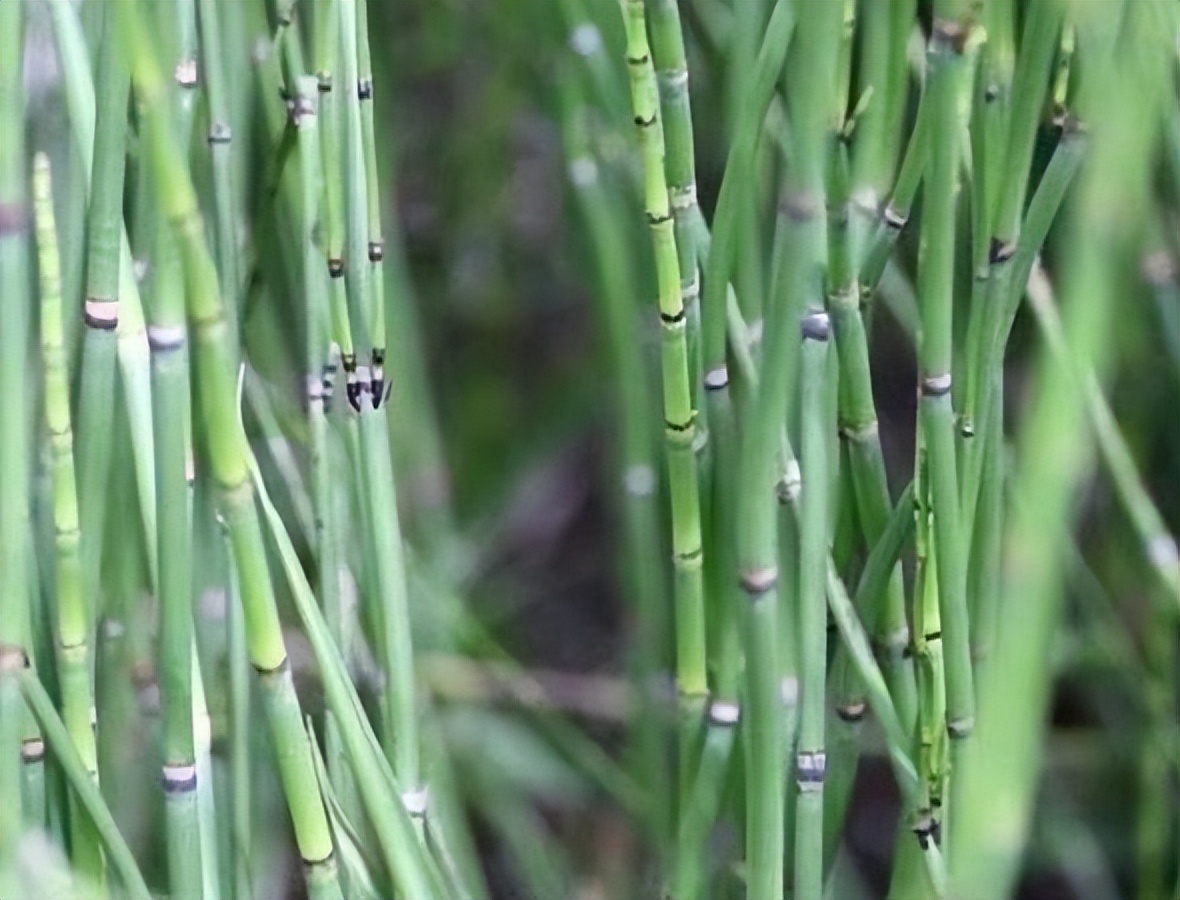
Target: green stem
x: 680, y: 419
x: 73, y: 605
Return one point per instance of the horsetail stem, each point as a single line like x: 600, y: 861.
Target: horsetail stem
x: 948, y: 44
x: 101, y: 310
x: 229, y: 459
x: 667, y: 48
x: 14, y: 491
x: 811, y: 761
x: 73, y: 613
x: 329, y: 117
x: 168, y: 338
x: 219, y: 140
x: 680, y: 419
x: 811, y: 82
x: 395, y: 644
x: 376, y: 237
x: 1055, y: 451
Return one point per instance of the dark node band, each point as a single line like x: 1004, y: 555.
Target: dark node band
x: 637, y: 60
x: 646, y: 123
x: 894, y: 219
x: 816, y: 327
x: 32, y: 750
x: 322, y: 861
x: 1000, y: 251
x: 276, y: 670
x: 324, y: 82
x: 658, y: 219
x: 991, y: 93
x: 220, y: 133
x: 673, y: 319
x: 100, y: 323
x: 851, y: 713
x: 934, y: 636
x: 680, y: 427
x: 936, y: 385
x: 179, y: 779
x: 717, y: 379
x: 759, y: 582
x: 162, y: 338
x: 336, y: 268
x: 960, y: 728
x: 353, y: 391
x: 967, y: 429
x: 364, y: 89
x: 812, y: 767
x: 376, y: 251
x: 348, y: 361
x: 690, y: 555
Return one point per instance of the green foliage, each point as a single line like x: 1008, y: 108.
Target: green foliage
x: 456, y: 448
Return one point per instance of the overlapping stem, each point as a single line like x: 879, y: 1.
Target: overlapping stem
x: 229, y: 460
x: 811, y: 81
x: 219, y: 138
x: 667, y: 47
x: 811, y: 761
x: 944, y: 82
x: 395, y: 645
x: 14, y: 491
x: 1000, y: 768
x: 680, y: 419
x: 73, y: 613
x: 101, y: 311
x: 168, y: 338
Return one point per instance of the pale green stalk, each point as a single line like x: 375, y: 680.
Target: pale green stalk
x: 220, y: 137
x: 399, y: 702
x: 82, y: 786
x: 14, y: 474
x: 944, y: 83
x: 104, y: 225
x: 131, y: 335
x: 73, y: 613
x: 1000, y: 769
x: 168, y: 338
x: 229, y: 461
x: 680, y: 419
x: 814, y: 529
x: 812, y: 79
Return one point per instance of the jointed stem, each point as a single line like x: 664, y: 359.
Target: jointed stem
x: 680, y: 419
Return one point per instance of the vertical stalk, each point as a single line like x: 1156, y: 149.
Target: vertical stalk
x: 812, y: 77
x: 680, y: 419
x: 73, y: 612
x: 935, y: 290
x: 219, y: 139
x: 229, y: 459
x: 168, y: 339
x: 364, y: 234
x: 14, y: 496
x: 667, y: 46
x: 812, y: 599
x: 101, y: 313
x: 1000, y: 768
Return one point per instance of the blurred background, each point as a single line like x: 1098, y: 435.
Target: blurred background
x: 505, y: 424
